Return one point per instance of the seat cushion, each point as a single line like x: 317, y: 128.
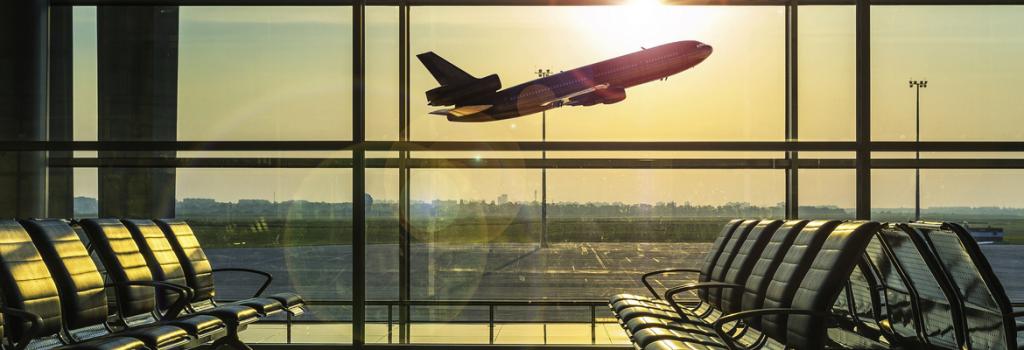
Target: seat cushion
x: 107, y: 343
x: 199, y: 325
x: 618, y: 297
x: 288, y: 300
x: 650, y: 335
x: 640, y: 323
x: 233, y: 315
x: 264, y: 306
x: 157, y: 337
x: 651, y: 304
x: 694, y: 341
x: 633, y: 312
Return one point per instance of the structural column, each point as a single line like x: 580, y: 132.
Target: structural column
x: 60, y: 180
x: 792, y: 110
x: 863, y: 109
x: 138, y: 83
x: 359, y: 174
x: 23, y: 83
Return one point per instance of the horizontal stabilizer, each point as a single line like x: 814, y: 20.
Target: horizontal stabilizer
x: 462, y: 111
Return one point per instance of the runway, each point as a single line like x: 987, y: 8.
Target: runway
x: 507, y: 271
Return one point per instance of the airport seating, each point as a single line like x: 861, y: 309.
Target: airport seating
x: 988, y: 319
x: 797, y: 309
x: 709, y: 262
x: 743, y: 288
x: 199, y: 272
x: 135, y: 288
x: 41, y: 316
x: 918, y: 301
x: 749, y: 235
x: 722, y: 251
x: 754, y: 277
x: 118, y: 250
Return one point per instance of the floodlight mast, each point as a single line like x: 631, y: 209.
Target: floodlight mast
x: 543, y: 170
x: 917, y: 85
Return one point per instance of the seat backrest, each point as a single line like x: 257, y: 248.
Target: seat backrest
x: 725, y: 259
x: 985, y: 303
x: 124, y: 263
x: 764, y: 268
x: 747, y: 255
x: 163, y: 262
x: 27, y: 283
x: 791, y: 270
x: 827, y: 276
x: 900, y: 303
x: 908, y: 258
x: 83, y: 297
x: 197, y: 268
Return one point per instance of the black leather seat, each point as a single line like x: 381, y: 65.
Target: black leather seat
x: 709, y: 262
x: 83, y: 293
x: 797, y: 306
x: 988, y: 320
x: 708, y: 298
x: 752, y: 286
x: 125, y: 263
x: 917, y: 298
x: 30, y: 294
x: 165, y: 266
x: 199, y: 273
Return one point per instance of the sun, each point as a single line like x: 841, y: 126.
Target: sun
x: 643, y: 3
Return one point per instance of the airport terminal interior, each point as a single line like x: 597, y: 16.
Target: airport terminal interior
x: 511, y: 174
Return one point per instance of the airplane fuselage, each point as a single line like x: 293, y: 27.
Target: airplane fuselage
x: 602, y: 82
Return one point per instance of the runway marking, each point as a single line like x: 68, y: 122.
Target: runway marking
x: 598, y: 256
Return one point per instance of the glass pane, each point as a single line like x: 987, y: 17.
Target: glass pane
x: 892, y: 194
x: 827, y: 76
x: 382, y: 59
x: 827, y: 194
x: 970, y: 56
x: 265, y: 73
x: 84, y: 68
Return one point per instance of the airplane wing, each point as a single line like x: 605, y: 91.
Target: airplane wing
x: 562, y: 99
x: 462, y: 111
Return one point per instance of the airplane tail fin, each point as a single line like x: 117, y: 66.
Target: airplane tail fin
x: 443, y: 71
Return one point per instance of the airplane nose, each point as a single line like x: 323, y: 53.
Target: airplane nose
x: 705, y: 49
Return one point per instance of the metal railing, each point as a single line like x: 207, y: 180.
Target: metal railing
x: 491, y: 305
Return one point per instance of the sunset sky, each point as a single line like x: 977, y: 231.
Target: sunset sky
x: 284, y: 74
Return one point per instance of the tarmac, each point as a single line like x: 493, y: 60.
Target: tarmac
x: 507, y: 271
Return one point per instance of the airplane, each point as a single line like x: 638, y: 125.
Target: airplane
x: 479, y: 99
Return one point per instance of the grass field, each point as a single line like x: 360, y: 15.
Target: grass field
x: 283, y: 233
x: 260, y: 232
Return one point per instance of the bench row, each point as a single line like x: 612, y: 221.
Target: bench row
x: 158, y: 280
x: 790, y: 284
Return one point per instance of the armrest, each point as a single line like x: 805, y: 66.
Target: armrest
x: 266, y: 283
x: 720, y: 323
x: 671, y: 293
x: 32, y: 330
x: 661, y: 272
x: 1014, y: 315
x: 185, y: 295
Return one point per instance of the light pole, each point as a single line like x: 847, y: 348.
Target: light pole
x: 541, y: 73
x: 917, y: 85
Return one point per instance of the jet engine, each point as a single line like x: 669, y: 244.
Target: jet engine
x: 457, y: 94
x: 605, y: 96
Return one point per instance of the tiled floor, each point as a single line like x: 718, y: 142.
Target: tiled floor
x: 442, y: 333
